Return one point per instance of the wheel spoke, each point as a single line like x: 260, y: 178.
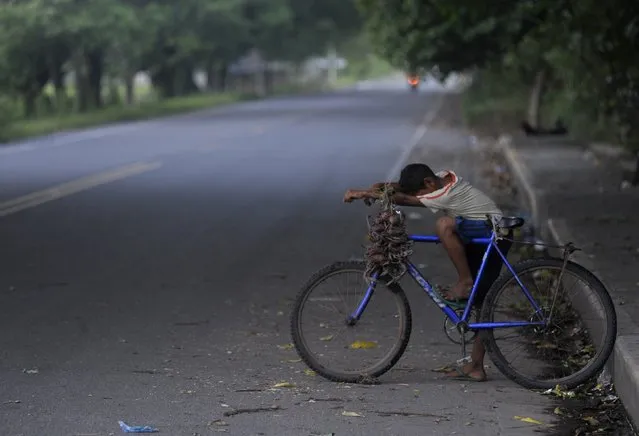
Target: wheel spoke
x: 344, y: 352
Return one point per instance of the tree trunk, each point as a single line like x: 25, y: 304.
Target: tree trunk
x: 211, y: 79
x: 30, y: 104
x: 57, y: 77
x: 130, y: 88
x: 95, y: 71
x: 79, y: 78
x: 164, y: 80
x: 536, y: 95
x: 222, y: 76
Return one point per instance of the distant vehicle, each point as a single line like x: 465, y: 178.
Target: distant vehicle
x: 413, y: 81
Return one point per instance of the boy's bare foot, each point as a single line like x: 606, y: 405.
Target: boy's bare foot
x: 468, y: 372
x: 459, y: 291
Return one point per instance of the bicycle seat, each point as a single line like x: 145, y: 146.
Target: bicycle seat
x: 511, y: 222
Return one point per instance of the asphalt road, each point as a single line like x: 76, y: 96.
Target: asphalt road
x: 157, y: 283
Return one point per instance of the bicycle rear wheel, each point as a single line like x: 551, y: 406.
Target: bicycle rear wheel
x: 357, y: 351
x: 570, y: 349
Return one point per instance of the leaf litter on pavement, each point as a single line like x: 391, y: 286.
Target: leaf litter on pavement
x: 594, y: 407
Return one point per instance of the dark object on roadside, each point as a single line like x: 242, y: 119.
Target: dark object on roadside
x: 559, y: 129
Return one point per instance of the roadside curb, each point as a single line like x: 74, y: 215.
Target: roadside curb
x: 623, y: 366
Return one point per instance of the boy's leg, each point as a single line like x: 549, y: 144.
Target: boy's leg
x: 475, y: 368
x: 445, y: 228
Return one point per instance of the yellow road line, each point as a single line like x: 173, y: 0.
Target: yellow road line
x: 75, y: 186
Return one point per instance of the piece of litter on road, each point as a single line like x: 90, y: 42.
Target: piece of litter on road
x: 294, y: 361
x: 253, y: 410
x: 363, y: 345
x: 12, y: 402
x: 326, y: 338
x: 224, y: 405
x: 286, y: 347
x: 218, y: 422
x: 386, y: 413
x: 137, y: 428
x: 352, y: 414
x: 31, y: 371
x: 528, y: 420
x: 558, y: 411
x: 310, y: 372
x: 284, y: 385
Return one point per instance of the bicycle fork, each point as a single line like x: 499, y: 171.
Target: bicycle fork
x: 353, y: 317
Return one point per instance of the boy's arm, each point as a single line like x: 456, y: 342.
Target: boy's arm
x: 380, y: 185
x: 373, y: 194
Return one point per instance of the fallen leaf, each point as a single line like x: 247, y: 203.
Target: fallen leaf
x: 558, y: 411
x: 326, y: 338
x: 286, y: 347
x: 363, y: 345
x: 294, y: 361
x: 284, y: 385
x: 528, y: 420
x: 353, y: 414
x: 591, y: 420
x: 219, y: 422
x: 309, y: 372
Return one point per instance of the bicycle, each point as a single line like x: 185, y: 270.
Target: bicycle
x: 548, y: 319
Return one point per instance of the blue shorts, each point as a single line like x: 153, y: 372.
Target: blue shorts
x: 471, y: 229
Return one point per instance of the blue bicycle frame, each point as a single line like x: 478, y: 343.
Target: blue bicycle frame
x: 491, y: 244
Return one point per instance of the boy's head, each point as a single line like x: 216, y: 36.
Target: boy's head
x: 418, y: 179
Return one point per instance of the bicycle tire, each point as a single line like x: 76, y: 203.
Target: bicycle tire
x: 593, y: 368
x: 386, y: 363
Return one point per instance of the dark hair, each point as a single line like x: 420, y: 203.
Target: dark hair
x: 412, y: 177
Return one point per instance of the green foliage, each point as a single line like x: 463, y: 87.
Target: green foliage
x: 586, y: 50
x: 100, y: 44
x: 43, y: 39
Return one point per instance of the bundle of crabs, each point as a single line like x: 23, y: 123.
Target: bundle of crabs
x: 390, y: 245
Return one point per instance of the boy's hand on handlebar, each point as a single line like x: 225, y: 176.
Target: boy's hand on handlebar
x: 352, y: 195
x: 355, y: 194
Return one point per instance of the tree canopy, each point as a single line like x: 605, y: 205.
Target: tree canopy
x: 43, y: 42
x: 584, y: 48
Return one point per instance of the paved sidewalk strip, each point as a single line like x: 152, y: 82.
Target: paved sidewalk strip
x: 575, y: 197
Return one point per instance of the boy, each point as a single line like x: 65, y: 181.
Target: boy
x: 467, y: 212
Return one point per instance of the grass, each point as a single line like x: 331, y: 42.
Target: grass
x: 27, y: 128
x: 148, y: 107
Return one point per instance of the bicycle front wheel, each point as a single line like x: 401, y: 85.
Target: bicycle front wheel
x: 579, y: 331
x: 354, y: 351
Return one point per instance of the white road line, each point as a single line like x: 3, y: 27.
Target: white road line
x: 75, y: 186
x: 414, y: 140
